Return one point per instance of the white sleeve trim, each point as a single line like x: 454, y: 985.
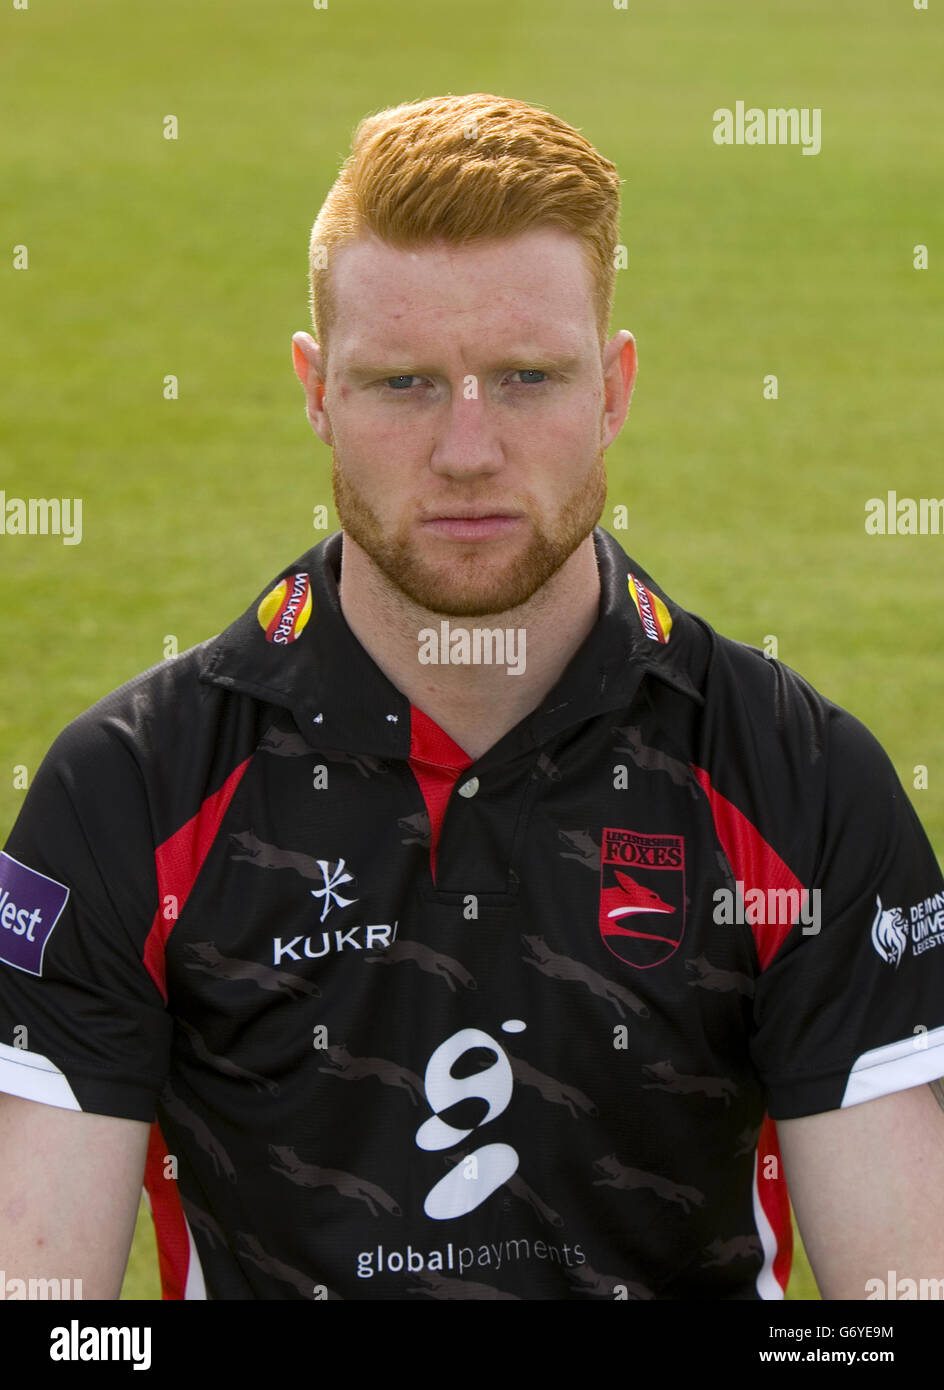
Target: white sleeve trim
x: 766, y: 1283
x: 896, y: 1067
x: 31, y: 1076
x: 195, y: 1287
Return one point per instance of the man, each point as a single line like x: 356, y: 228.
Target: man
x: 457, y: 979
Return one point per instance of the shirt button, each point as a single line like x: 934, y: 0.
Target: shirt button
x: 469, y: 788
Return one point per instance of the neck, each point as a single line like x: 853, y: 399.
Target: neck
x: 475, y: 703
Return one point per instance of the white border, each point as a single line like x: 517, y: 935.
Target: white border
x: 766, y: 1282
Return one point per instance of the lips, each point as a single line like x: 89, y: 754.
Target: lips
x: 470, y: 526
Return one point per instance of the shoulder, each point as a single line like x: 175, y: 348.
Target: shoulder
x: 797, y: 766
x: 775, y: 757
x: 161, y: 708
x: 152, y: 752
x: 781, y: 723
x: 149, y: 752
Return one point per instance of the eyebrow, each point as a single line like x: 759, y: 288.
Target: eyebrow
x: 519, y: 361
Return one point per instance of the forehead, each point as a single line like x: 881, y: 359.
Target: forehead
x: 535, y: 287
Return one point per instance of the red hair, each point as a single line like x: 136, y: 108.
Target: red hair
x: 462, y: 169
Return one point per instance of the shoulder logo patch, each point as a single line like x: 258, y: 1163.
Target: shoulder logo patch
x: 285, y: 610
x: 30, y: 906
x: 655, y: 617
x: 890, y: 929
x: 642, y: 896
x: 889, y: 933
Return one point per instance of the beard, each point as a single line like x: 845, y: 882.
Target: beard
x: 467, y: 584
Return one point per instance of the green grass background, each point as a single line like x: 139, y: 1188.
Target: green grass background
x: 150, y: 257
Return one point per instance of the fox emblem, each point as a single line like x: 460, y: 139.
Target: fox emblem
x: 627, y: 899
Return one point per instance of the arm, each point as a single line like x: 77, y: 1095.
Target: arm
x: 867, y: 1186
x: 69, y: 1189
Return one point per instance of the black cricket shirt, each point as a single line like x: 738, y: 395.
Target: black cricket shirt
x: 412, y: 1025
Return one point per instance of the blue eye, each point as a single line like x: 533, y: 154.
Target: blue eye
x: 532, y: 372
x: 398, y: 383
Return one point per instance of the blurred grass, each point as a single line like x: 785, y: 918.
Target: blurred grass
x: 150, y: 257
x: 142, y: 1280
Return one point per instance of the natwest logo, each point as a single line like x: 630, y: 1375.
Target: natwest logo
x: 30, y: 906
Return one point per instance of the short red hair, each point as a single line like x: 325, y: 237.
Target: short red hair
x: 462, y: 169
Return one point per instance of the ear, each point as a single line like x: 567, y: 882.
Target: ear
x: 308, y: 361
x: 619, y: 375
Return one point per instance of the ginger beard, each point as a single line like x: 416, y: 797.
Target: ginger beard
x: 468, y: 584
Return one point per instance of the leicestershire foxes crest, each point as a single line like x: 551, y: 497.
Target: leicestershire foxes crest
x: 286, y: 609
x: 642, y: 896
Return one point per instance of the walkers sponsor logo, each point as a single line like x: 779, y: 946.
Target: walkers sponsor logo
x: 30, y: 906
x: 477, y: 646
x: 777, y: 125
x: 655, y: 617
x: 642, y: 896
x: 75, y: 1343
x: 891, y: 929
x: 285, y: 610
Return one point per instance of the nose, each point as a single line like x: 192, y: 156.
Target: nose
x: 466, y: 442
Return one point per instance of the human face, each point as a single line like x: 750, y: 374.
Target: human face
x: 465, y: 402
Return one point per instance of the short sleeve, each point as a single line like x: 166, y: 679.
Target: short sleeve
x: 852, y: 1005
x: 82, y: 1023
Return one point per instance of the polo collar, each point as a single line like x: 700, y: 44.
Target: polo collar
x: 293, y: 648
